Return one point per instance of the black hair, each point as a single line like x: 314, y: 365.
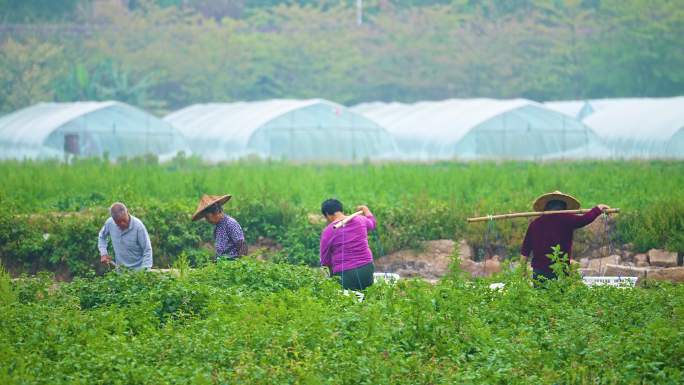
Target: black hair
x: 214, y: 209
x: 555, y: 205
x: 331, y: 206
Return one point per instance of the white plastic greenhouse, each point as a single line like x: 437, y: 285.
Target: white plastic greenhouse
x: 578, y: 109
x: 53, y: 130
x: 483, y: 129
x: 299, y: 130
x: 640, y: 128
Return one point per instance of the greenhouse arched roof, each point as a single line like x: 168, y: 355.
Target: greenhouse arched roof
x: 312, y: 129
x: 32, y: 125
x: 640, y: 119
x: 209, y: 120
x: 578, y: 109
x: 449, y: 119
x: 472, y: 128
x: 92, y: 128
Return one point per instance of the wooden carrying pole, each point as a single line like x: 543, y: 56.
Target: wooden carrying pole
x: 345, y: 220
x: 534, y: 214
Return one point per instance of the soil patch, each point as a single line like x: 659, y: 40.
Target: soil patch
x: 431, y: 262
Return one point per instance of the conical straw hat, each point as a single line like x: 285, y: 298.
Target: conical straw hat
x: 206, y: 201
x: 540, y: 203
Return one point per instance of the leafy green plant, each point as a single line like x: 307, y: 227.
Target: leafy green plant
x: 411, y: 202
x: 7, y: 295
x: 248, y: 321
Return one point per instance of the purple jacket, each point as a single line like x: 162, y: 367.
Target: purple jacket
x: 551, y: 230
x: 347, y: 247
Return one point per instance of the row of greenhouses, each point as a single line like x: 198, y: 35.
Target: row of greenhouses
x: 320, y: 130
x: 632, y: 128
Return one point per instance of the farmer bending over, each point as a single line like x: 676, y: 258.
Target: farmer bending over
x: 132, y: 248
x: 345, y: 249
x: 228, y: 236
x: 550, y: 230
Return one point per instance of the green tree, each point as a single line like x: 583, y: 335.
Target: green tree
x: 27, y: 72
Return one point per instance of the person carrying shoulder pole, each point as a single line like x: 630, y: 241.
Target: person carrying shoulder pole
x: 344, y: 245
x: 550, y: 230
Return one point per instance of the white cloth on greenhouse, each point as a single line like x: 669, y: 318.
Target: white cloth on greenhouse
x: 314, y: 129
x: 640, y: 127
x: 484, y: 129
x: 52, y: 130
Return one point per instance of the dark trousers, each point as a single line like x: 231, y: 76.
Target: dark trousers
x: 357, y: 279
x: 540, y: 276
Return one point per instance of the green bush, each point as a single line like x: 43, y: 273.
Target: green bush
x: 265, y: 323
x: 53, y: 223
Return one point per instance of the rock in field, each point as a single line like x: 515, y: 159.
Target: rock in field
x: 625, y: 271
x: 662, y: 258
x: 464, y: 250
x: 673, y: 274
x: 492, y: 265
x: 641, y: 260
x: 599, y: 264
x: 431, y: 262
x: 585, y: 272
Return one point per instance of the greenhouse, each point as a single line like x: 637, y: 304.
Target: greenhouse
x: 299, y: 130
x: 483, y: 129
x: 578, y: 109
x: 640, y: 128
x: 57, y: 130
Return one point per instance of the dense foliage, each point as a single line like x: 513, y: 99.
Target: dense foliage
x: 51, y: 212
x: 262, y: 323
x: 166, y: 54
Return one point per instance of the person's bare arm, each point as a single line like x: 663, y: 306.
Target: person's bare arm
x: 102, y: 244
x: 365, y: 209
x: 603, y: 207
x: 369, y: 217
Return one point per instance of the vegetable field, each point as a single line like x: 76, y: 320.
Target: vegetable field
x: 281, y: 322
x: 50, y: 212
x: 263, y: 323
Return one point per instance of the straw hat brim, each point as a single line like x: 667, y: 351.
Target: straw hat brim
x: 540, y: 203
x: 206, y: 203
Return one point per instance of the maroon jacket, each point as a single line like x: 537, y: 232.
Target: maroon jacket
x: 551, y: 230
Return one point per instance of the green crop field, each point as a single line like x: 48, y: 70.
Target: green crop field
x: 281, y: 322
x: 263, y: 323
x: 50, y: 212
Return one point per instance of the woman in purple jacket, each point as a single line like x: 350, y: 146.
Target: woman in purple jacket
x: 345, y: 250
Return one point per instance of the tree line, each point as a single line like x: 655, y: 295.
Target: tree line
x: 165, y: 54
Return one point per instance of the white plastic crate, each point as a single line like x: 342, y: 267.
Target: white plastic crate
x: 610, y: 281
x: 385, y: 277
x: 359, y: 295
x: 497, y: 286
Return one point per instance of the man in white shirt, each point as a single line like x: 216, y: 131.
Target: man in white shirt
x: 132, y: 247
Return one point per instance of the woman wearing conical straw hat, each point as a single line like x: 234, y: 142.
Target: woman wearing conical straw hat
x: 228, y: 236
x: 551, y: 230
